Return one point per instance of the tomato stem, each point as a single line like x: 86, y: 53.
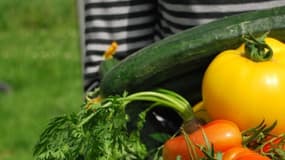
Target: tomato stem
x: 254, y: 136
x: 256, y: 49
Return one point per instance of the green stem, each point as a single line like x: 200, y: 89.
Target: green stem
x: 165, y: 98
x: 256, y: 49
x: 85, y: 120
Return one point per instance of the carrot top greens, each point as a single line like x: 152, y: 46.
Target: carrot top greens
x: 100, y: 129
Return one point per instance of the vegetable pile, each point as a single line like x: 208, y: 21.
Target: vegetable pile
x: 240, y: 85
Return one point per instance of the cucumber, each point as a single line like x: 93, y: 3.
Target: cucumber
x: 189, y: 52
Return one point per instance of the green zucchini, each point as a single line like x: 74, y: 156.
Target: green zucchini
x: 189, y: 52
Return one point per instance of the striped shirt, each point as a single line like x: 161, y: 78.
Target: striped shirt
x: 134, y: 24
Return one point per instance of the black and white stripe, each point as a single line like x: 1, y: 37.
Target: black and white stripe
x: 176, y: 16
x: 128, y: 22
x: 135, y: 24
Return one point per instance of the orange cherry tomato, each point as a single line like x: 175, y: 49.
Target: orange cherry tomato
x: 252, y: 156
x: 223, y: 134
x: 242, y: 153
x: 234, y: 152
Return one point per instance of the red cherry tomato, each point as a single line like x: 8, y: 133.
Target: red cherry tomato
x: 222, y: 134
x: 273, y: 146
x: 233, y: 153
x: 242, y: 153
x: 252, y: 156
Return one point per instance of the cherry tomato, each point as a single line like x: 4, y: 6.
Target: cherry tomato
x: 272, y: 144
x: 242, y: 153
x: 252, y: 156
x: 232, y: 153
x: 223, y: 134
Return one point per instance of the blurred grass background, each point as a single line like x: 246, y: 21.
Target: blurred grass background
x: 40, y: 61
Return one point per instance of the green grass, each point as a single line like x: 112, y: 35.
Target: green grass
x: 40, y: 60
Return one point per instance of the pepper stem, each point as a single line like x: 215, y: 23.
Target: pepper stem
x: 256, y: 49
